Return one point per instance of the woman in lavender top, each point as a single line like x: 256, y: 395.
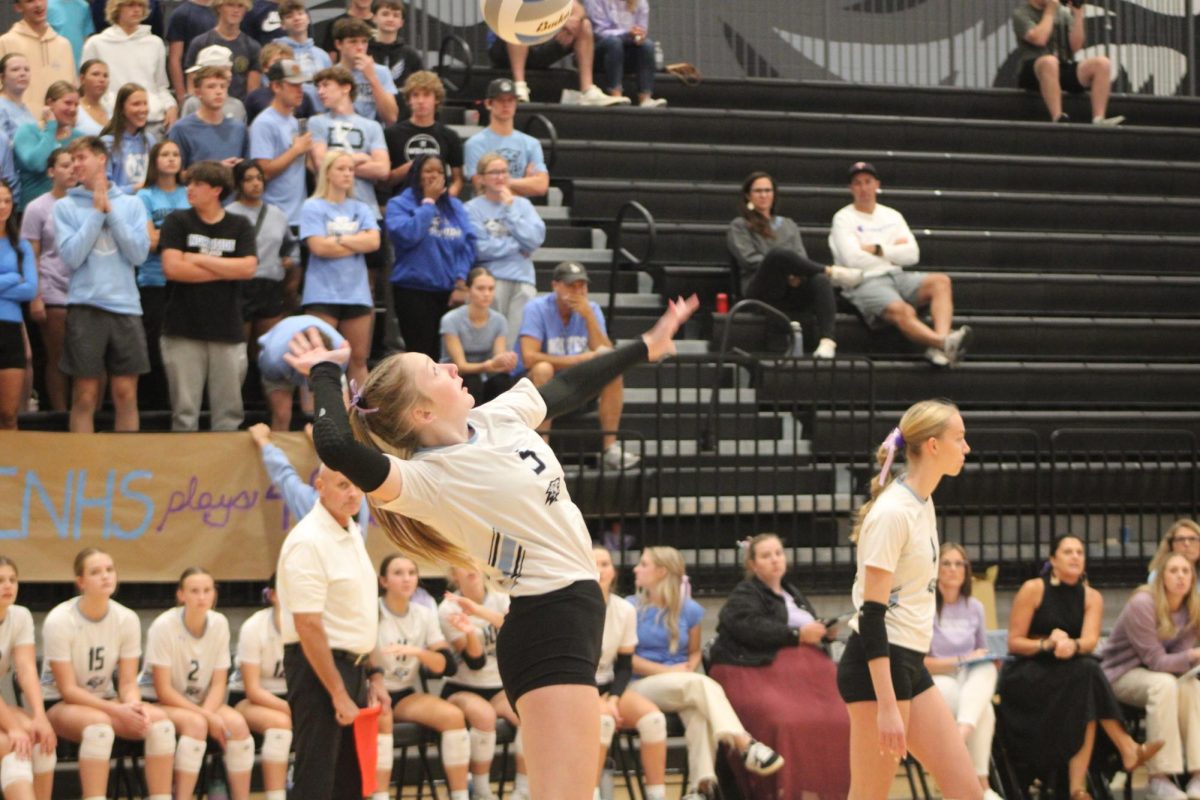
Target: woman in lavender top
x: 1154, y: 642
x: 959, y: 642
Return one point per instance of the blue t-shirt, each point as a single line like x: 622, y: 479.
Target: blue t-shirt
x: 354, y: 133
x: 188, y: 21
x: 12, y: 116
x: 543, y: 322
x: 200, y: 141
x: 364, y: 98
x: 519, y: 150
x: 128, y: 164
x: 271, y: 135
x: 159, y: 205
x: 337, y: 281
x: 72, y: 20
x: 274, y: 343
x: 653, y: 639
x: 478, y: 344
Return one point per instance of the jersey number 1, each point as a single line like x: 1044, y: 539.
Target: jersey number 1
x: 95, y: 659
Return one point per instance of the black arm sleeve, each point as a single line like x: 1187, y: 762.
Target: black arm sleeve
x: 573, y: 387
x: 475, y: 662
x: 622, y: 672
x: 336, y: 447
x: 873, y: 629
x: 449, y: 670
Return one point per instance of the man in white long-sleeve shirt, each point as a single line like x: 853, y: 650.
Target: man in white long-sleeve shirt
x: 872, y: 237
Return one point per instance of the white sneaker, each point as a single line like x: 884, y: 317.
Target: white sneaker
x: 595, y: 97
x: 1108, y: 122
x: 653, y: 102
x: 1160, y: 788
x: 1193, y: 788
x: 845, y: 277
x: 956, y: 344
x: 519, y: 794
x: 522, y: 91
x: 826, y: 348
x: 937, y: 357
x: 616, y: 457
x: 988, y: 794
x: 762, y: 760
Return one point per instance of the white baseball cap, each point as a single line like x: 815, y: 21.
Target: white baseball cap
x: 213, y: 56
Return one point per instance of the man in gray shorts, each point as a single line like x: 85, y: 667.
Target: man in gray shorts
x: 872, y: 237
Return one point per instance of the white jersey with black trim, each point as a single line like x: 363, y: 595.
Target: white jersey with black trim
x: 261, y: 642
x: 191, y: 659
x: 16, y: 629
x: 93, y: 647
x: 620, y: 632
x: 488, y: 677
x: 900, y: 535
x: 503, y: 495
x: 416, y: 627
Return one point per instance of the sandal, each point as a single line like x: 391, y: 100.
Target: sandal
x: 687, y: 73
x: 1145, y: 752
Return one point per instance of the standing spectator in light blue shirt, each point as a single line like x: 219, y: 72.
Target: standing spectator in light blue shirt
x: 18, y: 284
x: 128, y: 140
x: 340, y: 128
x: 521, y: 152
x: 507, y: 231
x: 207, y: 134
x: 14, y: 80
x: 376, y: 97
x: 277, y: 144
x: 72, y: 20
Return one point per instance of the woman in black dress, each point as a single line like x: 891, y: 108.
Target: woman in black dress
x: 1054, y: 693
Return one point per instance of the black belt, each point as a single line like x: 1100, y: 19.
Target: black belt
x: 355, y: 659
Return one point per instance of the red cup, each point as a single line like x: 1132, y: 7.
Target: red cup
x: 722, y: 303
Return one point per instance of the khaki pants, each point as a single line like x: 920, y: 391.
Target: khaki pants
x: 707, y: 716
x: 1172, y: 714
x: 968, y: 693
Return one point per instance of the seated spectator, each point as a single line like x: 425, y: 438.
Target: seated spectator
x: 522, y: 153
x: 565, y: 328
x: 621, y: 706
x: 245, y: 76
x: 775, y: 267
x: 18, y: 284
x: 874, y: 238
x: 14, y: 81
x: 1048, y: 36
x: 207, y: 134
x: 339, y: 230
x: 575, y: 36
x: 473, y: 339
x: 277, y: 143
x: 47, y: 54
x: 956, y: 659
x: 207, y: 254
x: 218, y: 57
x: 471, y: 615
x: 49, y: 308
x: 1152, y: 644
x: 1182, y: 537
x: 100, y: 233
x: 386, y: 47
x: 507, y: 230
x: 35, y: 141
x: 375, y: 95
x: 262, y: 97
x: 621, y: 44
x: 134, y: 55
x: 293, y: 16
x: 278, y: 377
x: 666, y: 658
x: 769, y: 657
x: 189, y: 20
x: 434, y: 247
x: 72, y: 19
x: 92, y: 116
x: 127, y: 139
x: 422, y: 134
x: 162, y: 194
x: 187, y: 664
x: 1053, y: 693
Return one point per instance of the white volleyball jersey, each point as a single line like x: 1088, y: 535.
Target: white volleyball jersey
x: 620, y: 632
x: 489, y: 676
x: 93, y: 647
x: 899, y: 535
x: 416, y: 627
x: 16, y: 629
x: 261, y: 642
x: 191, y: 659
x: 503, y: 495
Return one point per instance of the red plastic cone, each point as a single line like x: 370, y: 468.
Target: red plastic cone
x: 366, y: 729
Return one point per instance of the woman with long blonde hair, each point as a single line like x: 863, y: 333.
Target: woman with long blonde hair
x: 452, y: 485
x: 882, y: 674
x: 1183, y: 536
x: 665, y: 661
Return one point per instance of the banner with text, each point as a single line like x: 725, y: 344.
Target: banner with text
x: 159, y: 502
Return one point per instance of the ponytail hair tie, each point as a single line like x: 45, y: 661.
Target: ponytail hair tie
x: 356, y: 399
x: 743, y: 546
x: 892, y: 442
x: 685, y: 587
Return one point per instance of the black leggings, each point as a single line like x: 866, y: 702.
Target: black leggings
x: 483, y: 391
x: 420, y: 315
x: 770, y: 284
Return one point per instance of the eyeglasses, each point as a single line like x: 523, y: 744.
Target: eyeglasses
x: 1188, y: 540
x: 494, y: 172
x: 954, y: 564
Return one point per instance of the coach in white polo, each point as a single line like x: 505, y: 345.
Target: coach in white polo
x: 330, y: 620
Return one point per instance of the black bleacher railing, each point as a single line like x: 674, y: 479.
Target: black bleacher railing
x: 621, y: 255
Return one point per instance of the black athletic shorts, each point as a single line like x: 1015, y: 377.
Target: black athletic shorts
x: 338, y: 311
x: 12, y: 346
x: 449, y: 689
x: 262, y: 298
x: 551, y: 639
x: 909, y: 676
x: 400, y: 695
x: 1068, y: 78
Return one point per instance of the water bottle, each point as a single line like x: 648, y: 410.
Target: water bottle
x: 658, y: 56
x: 797, y: 341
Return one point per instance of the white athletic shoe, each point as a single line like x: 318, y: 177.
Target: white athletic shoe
x: 845, y: 277
x: 826, y: 348
x: 616, y: 457
x: 1108, y: 122
x: 988, y: 794
x: 595, y: 97
x: 936, y: 357
x: 653, y: 102
x: 956, y: 344
x: 762, y: 760
x: 1160, y: 788
x: 522, y: 91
